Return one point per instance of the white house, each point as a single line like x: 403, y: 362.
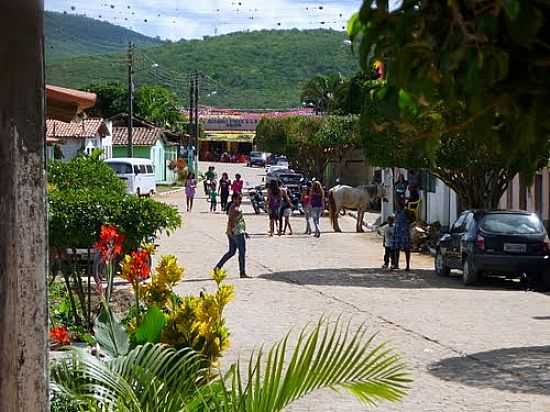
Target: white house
x: 439, y: 203
x: 534, y: 197
x: 67, y: 140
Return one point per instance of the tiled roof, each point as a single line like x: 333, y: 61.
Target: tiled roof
x: 141, y: 136
x: 77, y: 129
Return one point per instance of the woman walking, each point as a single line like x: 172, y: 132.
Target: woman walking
x: 236, y: 234
x: 284, y: 213
x: 274, y: 197
x: 317, y: 205
x: 190, y: 190
x: 402, y: 237
x: 306, y: 203
x: 224, y: 187
x: 237, y: 186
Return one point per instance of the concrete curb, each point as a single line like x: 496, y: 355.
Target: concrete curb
x: 170, y: 192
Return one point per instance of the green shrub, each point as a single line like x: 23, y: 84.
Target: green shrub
x: 85, y: 194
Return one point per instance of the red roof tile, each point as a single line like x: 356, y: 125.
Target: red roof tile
x: 141, y: 136
x: 77, y: 129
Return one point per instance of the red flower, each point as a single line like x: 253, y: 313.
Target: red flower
x: 137, y: 266
x: 110, y: 243
x: 60, y: 335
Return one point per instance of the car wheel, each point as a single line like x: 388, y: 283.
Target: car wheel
x: 441, y: 269
x: 138, y: 192
x: 470, y: 274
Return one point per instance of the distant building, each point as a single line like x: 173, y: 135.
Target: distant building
x: 67, y: 140
x: 149, y: 142
x: 233, y: 131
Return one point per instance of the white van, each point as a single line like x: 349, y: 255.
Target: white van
x: 139, y: 174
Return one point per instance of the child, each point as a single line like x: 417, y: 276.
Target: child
x: 389, y: 254
x: 213, y: 195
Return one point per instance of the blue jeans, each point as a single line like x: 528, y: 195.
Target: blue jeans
x: 236, y: 242
x: 316, y: 214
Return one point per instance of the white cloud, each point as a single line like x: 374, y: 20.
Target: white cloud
x: 175, y: 19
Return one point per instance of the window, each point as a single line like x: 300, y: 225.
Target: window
x: 142, y: 169
x: 150, y: 169
x: 512, y: 224
x: 136, y: 169
x: 121, y: 168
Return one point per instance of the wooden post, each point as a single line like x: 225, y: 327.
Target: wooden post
x: 23, y: 235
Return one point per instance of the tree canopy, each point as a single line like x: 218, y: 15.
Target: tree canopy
x: 459, y: 75
x: 153, y: 103
x: 309, y: 142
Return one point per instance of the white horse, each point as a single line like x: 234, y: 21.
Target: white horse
x: 355, y: 198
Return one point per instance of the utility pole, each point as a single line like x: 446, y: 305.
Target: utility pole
x: 130, y: 98
x: 190, y: 146
x: 197, y: 126
x: 23, y: 226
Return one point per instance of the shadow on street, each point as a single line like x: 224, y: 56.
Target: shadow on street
x: 524, y: 369
x: 377, y: 278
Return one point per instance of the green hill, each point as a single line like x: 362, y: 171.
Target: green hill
x: 69, y: 35
x: 262, y: 69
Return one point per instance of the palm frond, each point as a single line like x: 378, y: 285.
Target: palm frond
x: 327, y: 356
x: 149, y: 378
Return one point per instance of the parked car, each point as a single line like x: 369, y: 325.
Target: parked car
x: 274, y: 173
x: 277, y: 160
x: 257, y: 159
x: 509, y: 243
x: 137, y: 173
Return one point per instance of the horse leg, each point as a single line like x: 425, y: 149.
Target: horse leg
x: 337, y: 228
x: 360, y: 215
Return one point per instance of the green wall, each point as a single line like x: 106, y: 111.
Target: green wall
x: 139, y: 151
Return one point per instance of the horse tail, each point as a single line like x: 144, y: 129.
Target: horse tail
x: 332, y: 208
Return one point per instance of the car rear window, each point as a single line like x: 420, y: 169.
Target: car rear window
x: 512, y: 224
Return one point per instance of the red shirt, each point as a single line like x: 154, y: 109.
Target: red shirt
x: 237, y: 186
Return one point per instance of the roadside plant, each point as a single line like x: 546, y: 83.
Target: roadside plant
x: 109, y: 246
x: 59, y: 335
x: 159, y: 377
x: 136, y: 268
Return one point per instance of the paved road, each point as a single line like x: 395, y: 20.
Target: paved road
x: 469, y: 349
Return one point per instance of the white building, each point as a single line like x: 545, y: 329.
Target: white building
x: 439, y: 203
x: 67, y: 140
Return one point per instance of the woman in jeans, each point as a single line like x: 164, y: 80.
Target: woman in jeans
x: 236, y: 233
x: 317, y: 205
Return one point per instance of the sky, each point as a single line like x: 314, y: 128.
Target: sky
x: 177, y: 19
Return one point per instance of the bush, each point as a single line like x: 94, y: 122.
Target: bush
x: 85, y: 194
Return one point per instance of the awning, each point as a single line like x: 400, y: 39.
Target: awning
x: 232, y: 137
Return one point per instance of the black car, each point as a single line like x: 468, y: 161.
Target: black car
x: 257, y: 159
x: 509, y: 243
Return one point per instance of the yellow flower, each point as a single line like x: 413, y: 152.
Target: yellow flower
x: 168, y: 271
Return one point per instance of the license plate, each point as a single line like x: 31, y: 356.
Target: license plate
x: 515, y: 247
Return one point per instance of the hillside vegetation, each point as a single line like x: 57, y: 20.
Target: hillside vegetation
x: 69, y: 35
x: 263, y: 69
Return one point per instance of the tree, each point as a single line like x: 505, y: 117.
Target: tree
x: 112, y: 99
x: 471, y: 71
x: 309, y: 142
x: 320, y: 91
x: 153, y: 103
x: 158, y: 105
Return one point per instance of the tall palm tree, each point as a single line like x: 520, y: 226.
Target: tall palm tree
x: 159, y: 378
x: 320, y: 90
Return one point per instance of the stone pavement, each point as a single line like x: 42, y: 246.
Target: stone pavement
x: 485, y: 348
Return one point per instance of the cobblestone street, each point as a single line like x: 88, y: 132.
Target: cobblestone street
x: 485, y: 348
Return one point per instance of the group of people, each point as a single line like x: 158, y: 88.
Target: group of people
x: 279, y: 208
x: 397, y: 236
x: 213, y: 189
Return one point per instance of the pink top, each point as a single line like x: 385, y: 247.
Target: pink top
x: 237, y: 186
